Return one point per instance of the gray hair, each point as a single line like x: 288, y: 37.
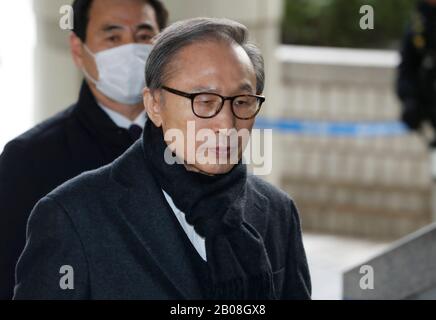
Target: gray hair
x: 184, y: 33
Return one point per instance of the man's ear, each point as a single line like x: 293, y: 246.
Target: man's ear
x: 153, y: 107
x: 76, y: 49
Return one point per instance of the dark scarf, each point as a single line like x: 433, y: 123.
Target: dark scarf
x: 239, y: 267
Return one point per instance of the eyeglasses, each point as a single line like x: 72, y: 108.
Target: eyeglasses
x: 208, y: 105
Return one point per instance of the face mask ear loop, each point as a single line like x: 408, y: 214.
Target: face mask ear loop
x: 86, y: 74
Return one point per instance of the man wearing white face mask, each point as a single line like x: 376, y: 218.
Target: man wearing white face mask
x: 121, y: 72
x: 110, y: 44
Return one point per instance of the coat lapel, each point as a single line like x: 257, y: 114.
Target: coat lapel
x: 148, y: 219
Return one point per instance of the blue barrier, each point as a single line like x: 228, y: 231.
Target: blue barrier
x: 335, y: 129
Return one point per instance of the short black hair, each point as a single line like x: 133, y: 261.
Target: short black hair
x: 81, y: 10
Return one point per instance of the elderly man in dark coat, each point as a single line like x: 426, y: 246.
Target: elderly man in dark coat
x: 167, y: 220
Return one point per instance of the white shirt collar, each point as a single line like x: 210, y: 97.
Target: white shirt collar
x: 123, y: 122
x: 197, y: 241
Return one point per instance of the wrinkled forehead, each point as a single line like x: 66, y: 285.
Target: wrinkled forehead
x: 210, y: 63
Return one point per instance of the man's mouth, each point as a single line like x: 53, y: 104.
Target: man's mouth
x: 225, y: 150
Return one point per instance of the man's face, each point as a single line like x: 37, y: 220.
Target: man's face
x: 214, y: 67
x: 114, y: 23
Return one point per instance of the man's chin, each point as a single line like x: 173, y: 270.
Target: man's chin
x: 211, y: 170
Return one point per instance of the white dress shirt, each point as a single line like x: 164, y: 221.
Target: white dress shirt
x: 197, y: 241
x: 123, y: 122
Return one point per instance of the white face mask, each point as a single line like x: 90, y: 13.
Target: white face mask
x: 121, y: 72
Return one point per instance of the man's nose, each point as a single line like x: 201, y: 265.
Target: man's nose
x: 128, y: 39
x: 225, y: 119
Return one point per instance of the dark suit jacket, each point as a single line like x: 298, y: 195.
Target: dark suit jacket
x: 115, y: 229
x: 81, y: 138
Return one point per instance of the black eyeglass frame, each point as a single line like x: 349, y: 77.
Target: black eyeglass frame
x: 192, y: 97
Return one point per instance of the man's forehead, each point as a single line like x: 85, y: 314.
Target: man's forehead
x: 242, y: 86
x: 143, y: 25
x: 205, y: 52
x: 216, y: 70
x: 127, y: 14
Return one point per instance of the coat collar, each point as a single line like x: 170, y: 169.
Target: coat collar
x: 150, y: 222
x: 96, y: 121
x: 97, y: 130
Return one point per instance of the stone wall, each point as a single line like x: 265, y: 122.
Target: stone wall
x: 375, y: 185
